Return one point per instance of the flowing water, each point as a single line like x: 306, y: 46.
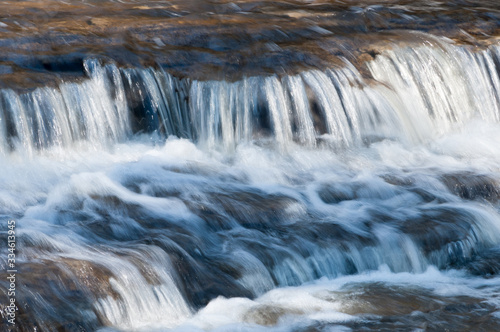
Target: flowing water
x: 358, y: 194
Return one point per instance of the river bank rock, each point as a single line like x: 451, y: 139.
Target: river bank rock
x: 43, y: 42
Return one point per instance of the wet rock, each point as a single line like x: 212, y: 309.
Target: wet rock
x: 51, y: 298
x: 201, y: 278
x: 333, y: 193
x: 446, y: 236
x: 268, y: 315
x: 383, y: 300
x: 486, y: 263
x: 398, y: 180
x: 42, y: 41
x: 383, y: 307
x: 472, y: 186
x: 255, y: 210
x: 336, y: 194
x: 93, y: 277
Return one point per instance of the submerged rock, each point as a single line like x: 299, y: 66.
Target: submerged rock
x: 383, y: 307
x: 486, y: 263
x: 473, y: 186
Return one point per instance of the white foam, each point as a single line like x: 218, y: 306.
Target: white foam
x: 425, y: 139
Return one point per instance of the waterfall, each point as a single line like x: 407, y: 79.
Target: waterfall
x: 94, y: 110
x: 415, y: 93
x: 261, y: 188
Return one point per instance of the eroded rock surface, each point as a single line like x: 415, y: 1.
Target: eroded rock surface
x: 43, y: 41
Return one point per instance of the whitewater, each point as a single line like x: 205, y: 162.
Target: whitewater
x: 327, y: 200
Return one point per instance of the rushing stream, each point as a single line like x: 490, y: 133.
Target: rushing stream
x: 304, y: 193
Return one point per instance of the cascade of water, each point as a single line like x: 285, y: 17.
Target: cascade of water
x: 418, y: 93
x: 177, y: 227
x: 155, y: 247
x: 441, y: 87
x: 136, y: 301
x: 302, y: 121
x: 94, y: 110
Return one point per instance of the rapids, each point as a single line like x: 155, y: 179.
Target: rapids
x: 361, y: 195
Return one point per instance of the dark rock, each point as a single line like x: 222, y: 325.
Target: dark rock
x: 486, y: 263
x: 472, y: 186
